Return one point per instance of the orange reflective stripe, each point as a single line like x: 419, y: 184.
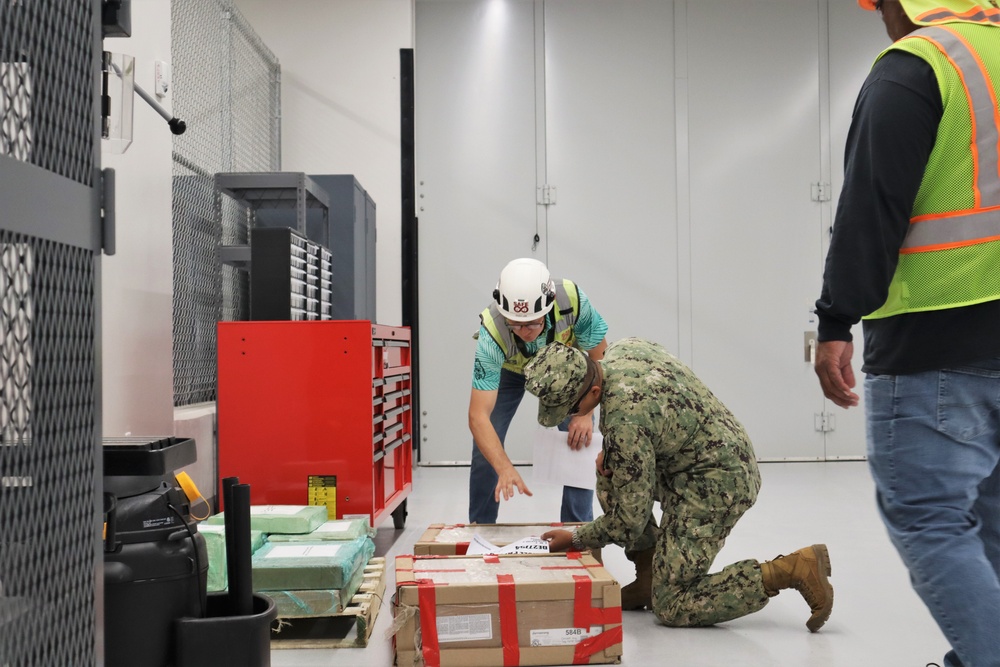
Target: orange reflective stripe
x: 976, y: 15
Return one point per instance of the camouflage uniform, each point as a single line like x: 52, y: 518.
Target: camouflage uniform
x: 667, y: 438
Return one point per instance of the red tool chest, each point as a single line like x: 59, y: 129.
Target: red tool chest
x: 331, y: 397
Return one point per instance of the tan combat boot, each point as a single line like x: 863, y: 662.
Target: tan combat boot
x: 639, y: 593
x: 805, y: 570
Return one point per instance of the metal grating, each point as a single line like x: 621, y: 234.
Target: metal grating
x: 226, y: 88
x: 47, y: 453
x: 48, y: 384
x: 47, y: 84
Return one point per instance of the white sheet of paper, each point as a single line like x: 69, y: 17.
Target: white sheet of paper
x: 525, y: 545
x: 479, y: 545
x: 555, y: 463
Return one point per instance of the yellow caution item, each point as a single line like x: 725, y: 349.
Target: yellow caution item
x: 193, y: 494
x: 323, y: 491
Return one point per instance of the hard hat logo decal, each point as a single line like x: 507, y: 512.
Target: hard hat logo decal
x: 525, y: 289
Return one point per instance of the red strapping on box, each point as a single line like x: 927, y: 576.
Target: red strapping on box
x: 492, y: 559
x: 585, y: 614
x: 442, y: 569
x: 508, y: 620
x: 422, y: 582
x: 592, y: 645
x: 428, y: 623
x: 574, y: 555
x: 461, y: 548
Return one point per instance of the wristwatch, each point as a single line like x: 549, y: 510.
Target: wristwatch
x: 575, y: 539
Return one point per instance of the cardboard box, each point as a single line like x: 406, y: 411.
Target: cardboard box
x: 453, y: 539
x: 492, y: 611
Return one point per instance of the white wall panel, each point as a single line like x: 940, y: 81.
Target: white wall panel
x: 609, y: 102
x: 137, y: 281
x: 475, y: 147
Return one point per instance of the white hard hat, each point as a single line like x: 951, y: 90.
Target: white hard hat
x: 525, y: 291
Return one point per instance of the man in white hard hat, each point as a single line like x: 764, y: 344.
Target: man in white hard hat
x: 529, y: 310
x: 914, y: 252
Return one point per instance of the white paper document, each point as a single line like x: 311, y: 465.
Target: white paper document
x: 555, y: 463
x: 526, y: 545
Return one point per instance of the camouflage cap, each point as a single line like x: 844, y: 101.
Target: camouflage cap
x: 558, y: 375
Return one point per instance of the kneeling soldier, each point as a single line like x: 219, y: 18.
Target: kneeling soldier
x: 668, y: 438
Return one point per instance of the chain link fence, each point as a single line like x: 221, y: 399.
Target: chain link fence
x: 227, y: 90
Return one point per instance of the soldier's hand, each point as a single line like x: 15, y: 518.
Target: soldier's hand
x: 600, y: 465
x: 581, y: 430
x: 509, y: 479
x: 559, y: 540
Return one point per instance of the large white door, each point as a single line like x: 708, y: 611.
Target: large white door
x: 856, y: 37
x: 756, y: 233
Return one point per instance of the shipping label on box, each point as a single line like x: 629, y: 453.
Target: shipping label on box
x: 493, y: 611
x: 453, y: 539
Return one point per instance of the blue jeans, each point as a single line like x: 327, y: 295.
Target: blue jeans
x: 577, y: 503
x: 933, y: 451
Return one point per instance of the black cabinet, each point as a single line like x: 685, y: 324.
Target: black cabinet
x: 331, y: 210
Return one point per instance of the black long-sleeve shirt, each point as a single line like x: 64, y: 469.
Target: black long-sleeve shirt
x: 892, y: 132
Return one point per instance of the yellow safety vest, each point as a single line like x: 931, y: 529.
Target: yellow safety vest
x: 951, y: 253
x: 561, y: 319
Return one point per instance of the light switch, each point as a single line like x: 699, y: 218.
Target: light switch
x: 161, y: 78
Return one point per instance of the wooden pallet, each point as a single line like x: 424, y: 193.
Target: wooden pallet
x: 351, y: 628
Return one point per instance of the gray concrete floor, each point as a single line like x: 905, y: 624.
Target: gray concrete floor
x: 877, y: 619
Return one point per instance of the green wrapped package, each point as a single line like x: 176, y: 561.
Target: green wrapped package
x: 293, y: 566
x: 292, y: 604
x: 215, y: 543
x: 336, y: 530
x: 281, y: 518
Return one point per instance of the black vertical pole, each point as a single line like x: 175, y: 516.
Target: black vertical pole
x: 241, y: 587
x: 229, y: 514
x: 409, y: 234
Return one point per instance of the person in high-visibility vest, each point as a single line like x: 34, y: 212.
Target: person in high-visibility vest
x: 529, y: 310
x: 915, y: 253
x: 669, y: 440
